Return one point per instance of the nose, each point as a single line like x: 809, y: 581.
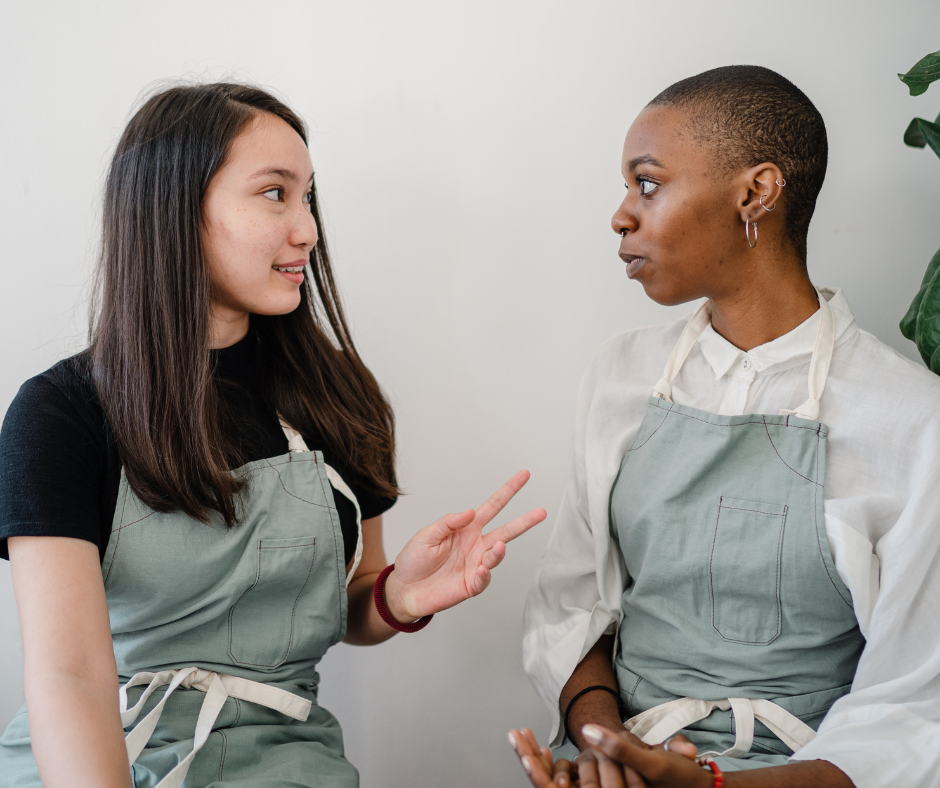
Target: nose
x: 624, y: 219
x: 304, y: 228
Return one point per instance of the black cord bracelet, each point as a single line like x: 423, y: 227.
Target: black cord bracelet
x: 585, y: 691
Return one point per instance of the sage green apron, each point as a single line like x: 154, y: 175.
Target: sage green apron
x: 737, y: 630
x: 217, y: 634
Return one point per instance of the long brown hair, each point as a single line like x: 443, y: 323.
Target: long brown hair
x: 150, y: 355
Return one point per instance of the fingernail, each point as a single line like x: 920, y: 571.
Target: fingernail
x: 527, y: 764
x: 512, y: 741
x: 592, y: 733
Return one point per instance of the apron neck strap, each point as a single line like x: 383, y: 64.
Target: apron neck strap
x: 680, y: 352
x: 295, y: 441
x: 818, y: 368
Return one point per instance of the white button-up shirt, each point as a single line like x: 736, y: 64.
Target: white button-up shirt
x: 882, y: 512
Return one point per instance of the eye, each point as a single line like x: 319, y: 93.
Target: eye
x: 308, y: 198
x: 277, y: 191
x: 647, y: 187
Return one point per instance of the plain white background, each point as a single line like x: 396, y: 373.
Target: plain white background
x: 467, y: 157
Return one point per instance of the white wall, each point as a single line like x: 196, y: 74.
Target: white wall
x: 467, y: 155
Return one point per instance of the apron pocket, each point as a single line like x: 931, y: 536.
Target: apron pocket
x: 744, y: 570
x: 261, y: 622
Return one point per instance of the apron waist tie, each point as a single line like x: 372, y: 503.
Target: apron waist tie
x: 657, y: 724
x: 218, y: 688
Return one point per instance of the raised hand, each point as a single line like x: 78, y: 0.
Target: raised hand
x: 451, y: 560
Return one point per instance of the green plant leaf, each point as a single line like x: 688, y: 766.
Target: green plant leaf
x: 931, y: 132
x: 925, y: 71
x: 909, y: 322
x: 913, y: 135
x: 927, y: 333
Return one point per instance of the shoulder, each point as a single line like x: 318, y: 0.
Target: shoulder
x: 885, y: 402
x: 885, y: 374
x: 59, y: 404
x: 634, y: 357
x: 65, y: 388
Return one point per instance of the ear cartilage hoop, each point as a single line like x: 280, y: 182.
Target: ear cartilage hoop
x: 747, y: 233
x: 761, y: 201
x: 781, y: 185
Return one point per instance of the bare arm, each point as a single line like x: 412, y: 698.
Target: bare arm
x: 70, y: 674
x: 365, y: 626
x: 598, y: 707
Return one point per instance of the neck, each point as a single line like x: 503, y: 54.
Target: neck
x: 226, y: 327
x: 757, y: 312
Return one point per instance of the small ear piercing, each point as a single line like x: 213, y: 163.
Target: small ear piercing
x: 761, y: 200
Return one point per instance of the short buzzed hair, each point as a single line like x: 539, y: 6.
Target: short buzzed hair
x: 748, y: 115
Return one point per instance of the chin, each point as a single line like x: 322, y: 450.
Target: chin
x: 665, y: 295
x: 279, y: 306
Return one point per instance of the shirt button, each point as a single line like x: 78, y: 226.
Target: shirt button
x: 746, y: 364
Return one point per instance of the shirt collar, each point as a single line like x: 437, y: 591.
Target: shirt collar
x: 789, y: 350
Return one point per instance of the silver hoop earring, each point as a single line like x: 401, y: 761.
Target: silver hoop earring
x: 761, y: 201
x: 747, y: 233
x: 781, y: 185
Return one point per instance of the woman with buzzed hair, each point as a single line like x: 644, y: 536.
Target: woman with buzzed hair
x: 738, y: 573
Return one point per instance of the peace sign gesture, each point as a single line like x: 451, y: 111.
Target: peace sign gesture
x: 450, y: 561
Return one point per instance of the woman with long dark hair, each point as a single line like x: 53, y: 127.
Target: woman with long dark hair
x: 192, y: 506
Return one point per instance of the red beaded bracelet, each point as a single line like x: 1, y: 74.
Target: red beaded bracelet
x: 719, y: 777
x: 378, y: 594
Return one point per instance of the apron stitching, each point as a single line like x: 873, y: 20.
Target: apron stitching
x: 224, y: 751
x: 770, y: 747
x: 739, y: 424
x: 292, y: 495
x: 711, y: 587
x: 756, y: 511
x: 819, y: 536
x: 340, y: 567
x: 635, y: 685
x: 293, y: 610
x: 118, y: 540
x: 785, y: 462
x: 231, y: 613
x: 668, y: 411
x: 140, y: 520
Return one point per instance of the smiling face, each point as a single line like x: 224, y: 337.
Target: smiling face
x: 683, y: 236
x: 259, y: 230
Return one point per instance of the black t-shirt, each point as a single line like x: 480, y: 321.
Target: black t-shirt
x: 59, y: 466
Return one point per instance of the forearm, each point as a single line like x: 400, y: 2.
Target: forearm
x: 364, y: 625
x: 596, y: 707
x: 802, y: 774
x: 76, y: 732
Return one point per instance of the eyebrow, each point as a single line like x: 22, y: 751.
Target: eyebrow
x: 646, y: 158
x: 280, y: 172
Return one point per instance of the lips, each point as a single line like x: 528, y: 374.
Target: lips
x: 634, y: 263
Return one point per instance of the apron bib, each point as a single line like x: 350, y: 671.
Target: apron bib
x: 737, y: 630
x: 217, y: 633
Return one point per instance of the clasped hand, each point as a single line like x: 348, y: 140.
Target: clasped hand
x: 451, y: 560
x: 616, y: 759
